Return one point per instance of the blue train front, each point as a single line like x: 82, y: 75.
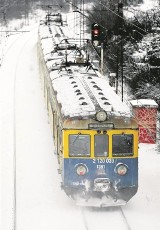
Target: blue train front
x: 100, y: 164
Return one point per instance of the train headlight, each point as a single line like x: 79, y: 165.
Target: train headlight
x: 81, y: 169
x: 101, y: 116
x: 121, y: 169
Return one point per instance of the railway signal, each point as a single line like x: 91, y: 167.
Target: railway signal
x: 96, y: 33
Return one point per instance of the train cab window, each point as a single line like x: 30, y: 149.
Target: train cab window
x: 101, y: 145
x: 79, y: 145
x: 122, y: 145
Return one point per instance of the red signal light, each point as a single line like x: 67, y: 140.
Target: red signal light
x: 96, y: 32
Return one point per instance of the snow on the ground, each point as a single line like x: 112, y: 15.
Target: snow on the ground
x: 36, y: 167
x: 143, y: 210
x: 41, y: 204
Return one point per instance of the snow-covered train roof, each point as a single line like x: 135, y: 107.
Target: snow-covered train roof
x: 81, y: 90
x: 82, y: 93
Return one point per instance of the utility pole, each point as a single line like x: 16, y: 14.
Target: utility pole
x: 120, y: 13
x: 26, y: 12
x: 117, y: 72
x: 102, y: 47
x: 4, y: 18
x: 102, y: 57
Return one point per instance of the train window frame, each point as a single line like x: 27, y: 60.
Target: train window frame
x: 76, y: 137
x: 121, y: 153
x: 107, y: 145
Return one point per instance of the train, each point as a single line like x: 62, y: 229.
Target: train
x: 94, y: 132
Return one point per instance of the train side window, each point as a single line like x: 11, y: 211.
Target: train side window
x: 101, y: 145
x: 122, y: 145
x: 79, y: 145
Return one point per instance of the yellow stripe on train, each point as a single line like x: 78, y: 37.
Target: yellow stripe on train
x: 92, y: 133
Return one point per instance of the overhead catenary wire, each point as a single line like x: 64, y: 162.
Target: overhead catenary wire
x: 80, y: 11
x: 97, y: 22
x: 120, y: 16
x: 93, y: 20
x: 126, y: 101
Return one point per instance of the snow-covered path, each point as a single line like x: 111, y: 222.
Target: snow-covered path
x: 26, y: 134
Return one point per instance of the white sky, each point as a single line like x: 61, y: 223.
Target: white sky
x: 41, y: 204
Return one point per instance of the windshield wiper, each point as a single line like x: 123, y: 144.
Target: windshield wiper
x: 76, y: 138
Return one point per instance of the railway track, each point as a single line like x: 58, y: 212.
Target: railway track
x: 15, y: 143
x: 107, y: 218
x: 8, y: 117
